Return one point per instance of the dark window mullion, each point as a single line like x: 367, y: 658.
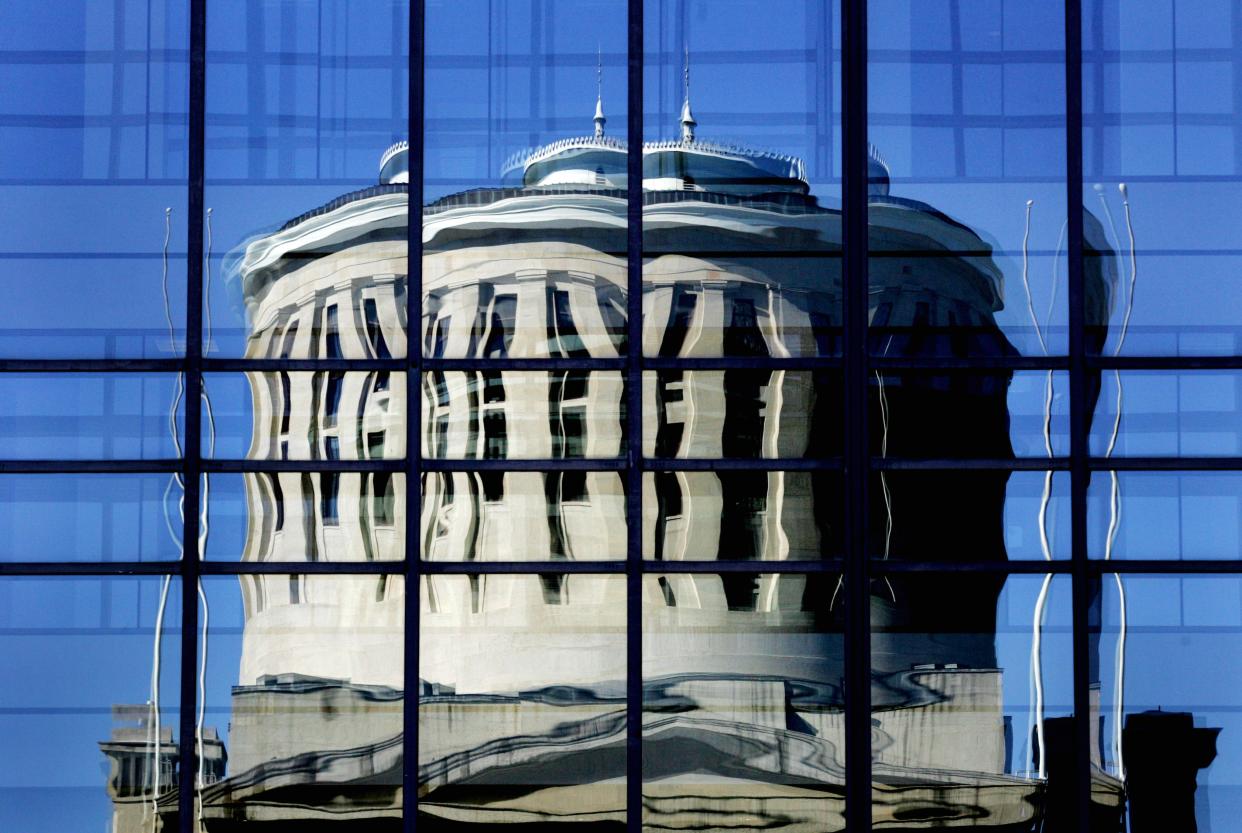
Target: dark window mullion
x: 192, y: 465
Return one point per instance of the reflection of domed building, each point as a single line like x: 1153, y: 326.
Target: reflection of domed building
x: 522, y: 676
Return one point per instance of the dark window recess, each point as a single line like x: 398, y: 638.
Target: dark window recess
x: 330, y: 482
x: 679, y: 320
x: 741, y: 590
x: 742, y: 337
x: 332, y: 334
x: 375, y: 332
x: 383, y: 499
x: 295, y: 590
x: 495, y: 440
x: 575, y: 384
x: 286, y: 403
x: 493, y: 483
x: 278, y: 499
x: 493, y: 386
x: 441, y: 338
x: 667, y: 590
x: 382, y: 380
x: 744, y: 506
x: 440, y: 438
x: 332, y: 448
x: 291, y: 334
x: 563, y: 338
x: 375, y: 445
x: 574, y: 487
x: 744, y: 408
x: 332, y: 398
x: 500, y: 329
x: 553, y: 585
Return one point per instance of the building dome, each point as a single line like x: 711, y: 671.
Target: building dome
x: 395, y: 164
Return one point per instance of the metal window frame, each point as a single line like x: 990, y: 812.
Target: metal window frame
x: 855, y: 464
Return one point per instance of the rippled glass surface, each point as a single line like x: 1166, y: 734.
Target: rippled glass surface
x: 1167, y: 515
x: 93, y: 149
x: 742, y: 701
x: 971, y: 700
x: 741, y: 413
x: 89, y: 517
x: 1162, y: 172
x: 741, y: 226
x: 519, y: 414
x: 523, y: 516
x: 306, y: 516
x: 521, y: 710
x: 524, y: 232
x: 304, y: 685
x: 961, y: 414
x: 970, y: 516
x: 966, y: 114
x: 1157, y: 413
x: 326, y: 415
x: 1168, y: 702
x: 85, y: 416
x: 306, y: 175
x: 742, y: 515
x: 89, y: 706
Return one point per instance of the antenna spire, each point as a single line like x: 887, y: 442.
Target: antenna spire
x: 687, y: 118
x: 600, y: 121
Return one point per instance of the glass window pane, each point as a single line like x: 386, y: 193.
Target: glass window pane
x: 93, y: 152
x: 523, y: 415
x: 522, y: 712
x: 1162, y: 163
x: 91, y: 416
x: 742, y: 413
x: 1159, y: 413
x: 90, y: 517
x: 742, y: 515
x: 306, y: 177
x: 304, y: 684
x: 970, y: 516
x: 1167, y: 653
x: 742, y: 701
x: 1177, y: 515
x: 524, y: 232
x: 741, y: 219
x: 523, y: 516
x: 89, y: 708
x: 996, y: 414
x: 966, y: 114
x: 972, y: 680
x: 306, y: 516
x: 325, y: 415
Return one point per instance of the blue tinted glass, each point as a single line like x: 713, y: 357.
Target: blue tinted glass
x: 93, y: 148
x: 1174, y: 515
x: 89, y: 704
x: 1168, y: 413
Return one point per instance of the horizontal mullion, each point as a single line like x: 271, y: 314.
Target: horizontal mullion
x: 232, y: 568
x: 295, y: 365
x: 546, y: 464
x: 170, y: 365
x: 882, y: 566
x: 940, y: 464
x: 741, y: 464
x: 827, y: 565
x: 160, y: 466
x: 550, y: 363
x: 1165, y: 463
x: 90, y: 568
x: 1163, y: 566
x: 739, y: 363
x: 967, y: 363
x: 245, y: 466
x: 1165, y: 362
x: 533, y: 567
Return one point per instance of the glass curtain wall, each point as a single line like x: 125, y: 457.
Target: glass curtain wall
x: 610, y: 415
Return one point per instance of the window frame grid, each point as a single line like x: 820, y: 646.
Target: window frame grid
x: 856, y: 463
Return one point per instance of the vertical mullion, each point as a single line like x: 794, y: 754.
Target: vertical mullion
x: 634, y: 422
x: 854, y: 327
x: 413, y: 419
x: 1079, y: 416
x: 192, y: 463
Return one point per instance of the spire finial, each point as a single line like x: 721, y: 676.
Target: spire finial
x: 687, y: 118
x: 599, y: 92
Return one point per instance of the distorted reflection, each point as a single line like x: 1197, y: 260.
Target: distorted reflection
x: 743, y: 716
x: 522, y: 676
x: 521, y: 712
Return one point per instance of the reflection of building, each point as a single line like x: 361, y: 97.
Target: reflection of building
x: 522, y: 676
